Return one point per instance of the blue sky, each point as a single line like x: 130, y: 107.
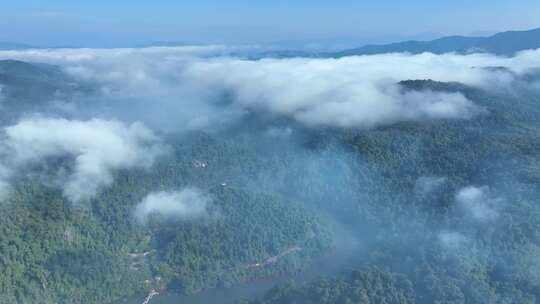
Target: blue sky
x: 122, y: 22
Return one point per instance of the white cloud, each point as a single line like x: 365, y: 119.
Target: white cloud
x: 117, y: 56
x: 348, y: 92
x: 451, y: 240
x: 189, y: 203
x: 5, y: 188
x: 279, y: 132
x: 96, y: 146
x: 185, y: 86
x: 2, y: 97
x: 478, y: 203
x: 426, y: 185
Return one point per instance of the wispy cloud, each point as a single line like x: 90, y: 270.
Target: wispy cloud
x: 197, y: 86
x: 97, y: 147
x: 478, y: 203
x: 189, y: 203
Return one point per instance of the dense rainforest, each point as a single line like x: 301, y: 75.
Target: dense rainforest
x: 432, y: 211
x: 54, y: 251
x: 417, y: 242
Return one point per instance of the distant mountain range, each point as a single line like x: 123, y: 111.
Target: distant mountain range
x: 505, y: 43
x: 13, y: 46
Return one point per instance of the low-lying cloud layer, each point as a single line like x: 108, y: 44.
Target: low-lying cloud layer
x: 96, y: 147
x: 451, y: 240
x: 4, y: 185
x: 200, y: 87
x: 189, y: 203
x: 426, y: 185
x: 478, y: 203
x: 186, y: 88
x: 2, y: 97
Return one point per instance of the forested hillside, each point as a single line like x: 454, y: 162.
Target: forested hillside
x: 454, y: 213
x: 505, y: 43
x: 54, y: 251
x: 435, y: 204
x: 57, y: 252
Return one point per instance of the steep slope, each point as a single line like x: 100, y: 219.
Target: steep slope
x: 425, y: 242
x: 33, y: 87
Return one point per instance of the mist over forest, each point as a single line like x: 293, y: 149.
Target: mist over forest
x: 394, y: 177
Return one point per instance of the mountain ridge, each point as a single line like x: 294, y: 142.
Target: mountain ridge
x: 504, y: 43
x: 6, y: 45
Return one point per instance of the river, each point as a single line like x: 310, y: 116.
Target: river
x: 333, y: 263
x: 219, y: 296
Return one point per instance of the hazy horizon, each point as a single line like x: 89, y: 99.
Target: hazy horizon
x: 315, y: 24
x: 263, y: 153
